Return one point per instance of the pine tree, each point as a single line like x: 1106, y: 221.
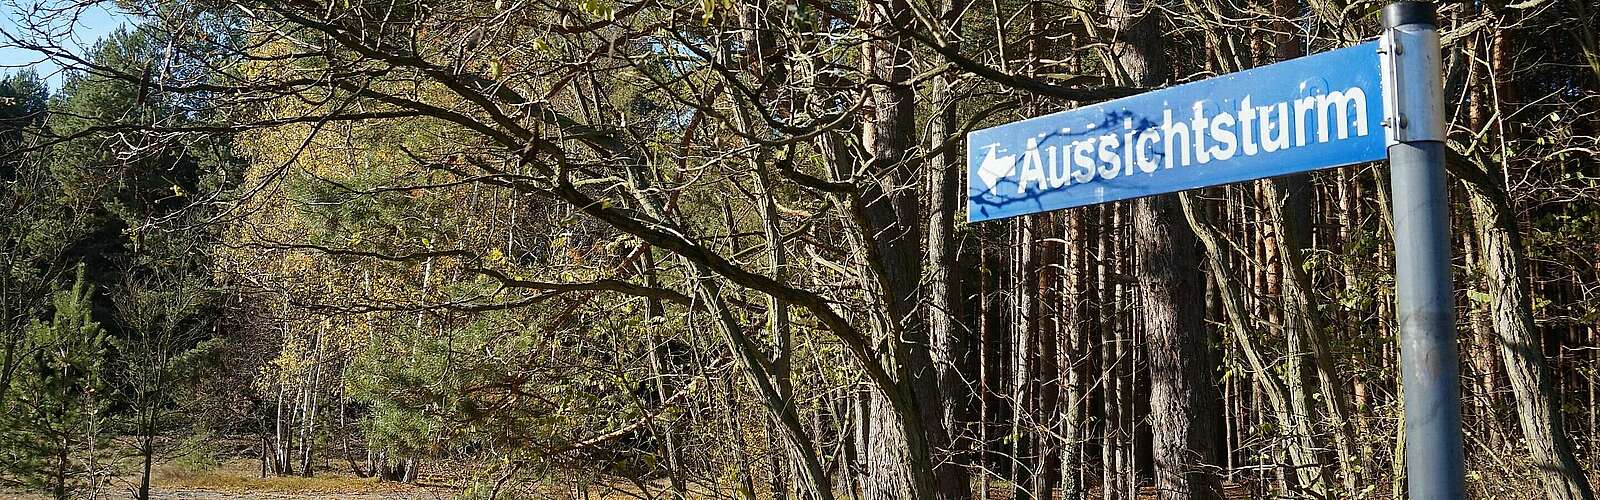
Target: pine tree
x: 56, y: 429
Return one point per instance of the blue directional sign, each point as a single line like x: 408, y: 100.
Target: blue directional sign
x: 1310, y: 113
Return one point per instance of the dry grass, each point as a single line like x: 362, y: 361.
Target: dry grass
x: 244, y: 476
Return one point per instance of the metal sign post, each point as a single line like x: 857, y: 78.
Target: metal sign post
x: 1424, y: 298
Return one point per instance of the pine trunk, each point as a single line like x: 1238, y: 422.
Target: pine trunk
x: 1185, y: 412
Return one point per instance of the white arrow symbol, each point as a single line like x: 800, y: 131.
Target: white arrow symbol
x: 995, y: 168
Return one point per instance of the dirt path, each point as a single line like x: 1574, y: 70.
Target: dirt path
x: 186, y: 494
x: 199, y: 494
x: 240, y: 479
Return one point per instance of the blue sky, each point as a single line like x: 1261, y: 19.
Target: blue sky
x: 93, y: 24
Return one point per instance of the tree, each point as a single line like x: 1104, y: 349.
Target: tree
x: 95, y: 195
x: 57, y: 428
x: 160, y: 316
x: 29, y: 260
x: 1183, y: 406
x: 712, y: 248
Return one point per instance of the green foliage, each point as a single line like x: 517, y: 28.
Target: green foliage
x: 85, y: 195
x: 22, y: 103
x: 487, y: 388
x: 197, y: 452
x: 56, y: 428
x: 112, y: 184
x: 414, y: 255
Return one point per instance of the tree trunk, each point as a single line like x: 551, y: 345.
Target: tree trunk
x: 280, y: 453
x: 1022, y: 330
x: 1300, y: 450
x: 1074, y: 352
x: 765, y: 53
x: 1049, y: 384
x: 1184, y: 404
x: 1289, y: 200
x: 750, y: 362
x: 1521, y: 353
x: 889, y: 213
x: 308, y: 413
x: 58, y: 483
x: 658, y: 372
x: 1110, y: 356
x: 950, y: 338
x: 264, y: 447
x: 1184, y: 409
x: 1510, y: 305
x: 147, y: 453
x: 778, y: 328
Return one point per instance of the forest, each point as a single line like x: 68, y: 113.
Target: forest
x: 678, y: 249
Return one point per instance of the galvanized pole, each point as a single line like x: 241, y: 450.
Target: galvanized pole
x: 1425, y: 302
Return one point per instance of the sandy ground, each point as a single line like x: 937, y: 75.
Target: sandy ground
x: 189, y: 494
x: 205, y: 494
x: 243, y: 495
x: 239, y: 480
